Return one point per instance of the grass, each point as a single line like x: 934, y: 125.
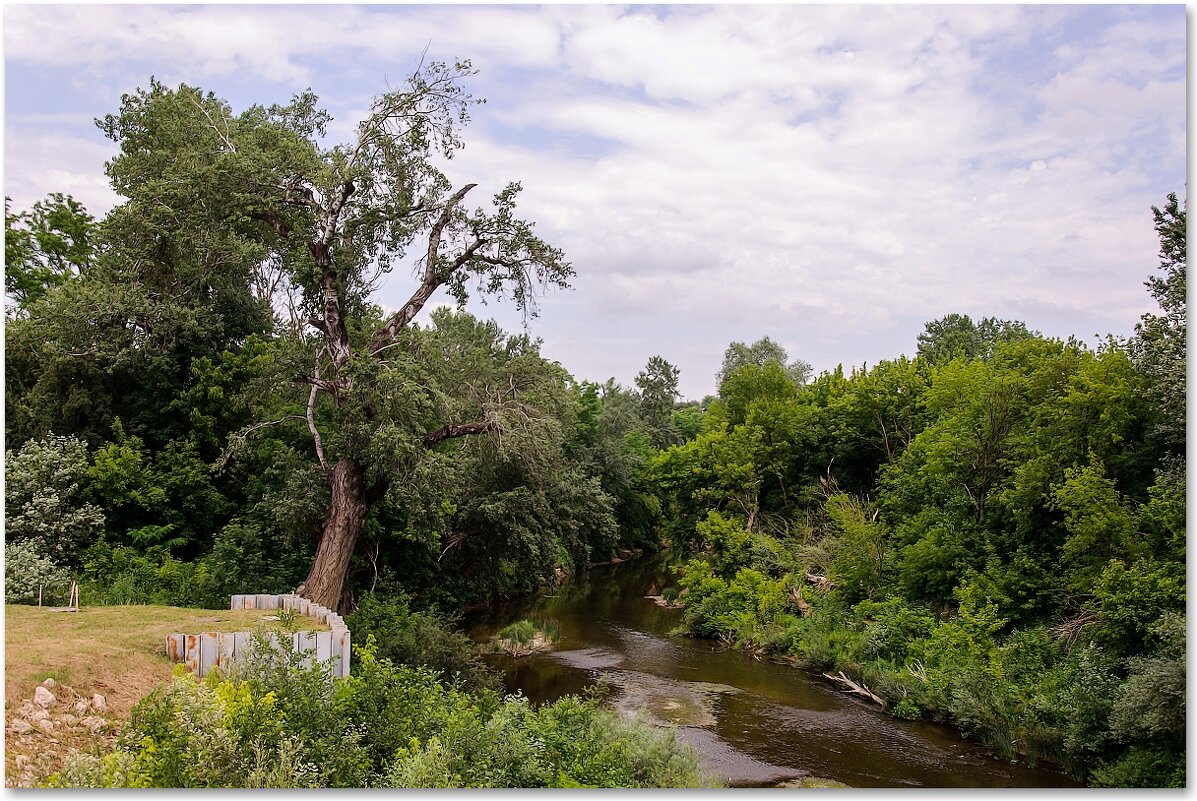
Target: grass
x: 117, y: 651
x: 525, y: 636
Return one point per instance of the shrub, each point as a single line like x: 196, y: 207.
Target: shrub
x: 26, y: 569
x: 272, y: 723
x: 420, y: 638
x: 43, y: 498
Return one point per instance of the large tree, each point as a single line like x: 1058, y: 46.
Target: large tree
x: 321, y: 226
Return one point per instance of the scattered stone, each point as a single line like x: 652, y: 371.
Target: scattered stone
x: 46, y: 725
x: 26, y: 708
x: 37, y: 713
x: 99, y: 703
x: 43, y: 697
x: 20, y: 726
x: 22, y: 761
x: 94, y: 724
x: 69, y: 720
x: 49, y: 684
x: 81, y: 708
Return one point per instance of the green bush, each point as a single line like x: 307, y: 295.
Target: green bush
x: 272, y: 723
x: 26, y: 569
x: 44, y: 486
x: 420, y: 638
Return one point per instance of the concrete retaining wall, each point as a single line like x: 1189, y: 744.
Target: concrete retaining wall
x: 202, y: 652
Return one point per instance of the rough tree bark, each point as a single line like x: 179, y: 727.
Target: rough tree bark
x: 343, y: 524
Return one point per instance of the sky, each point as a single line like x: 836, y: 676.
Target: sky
x: 832, y: 176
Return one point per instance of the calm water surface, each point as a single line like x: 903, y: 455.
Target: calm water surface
x: 755, y: 723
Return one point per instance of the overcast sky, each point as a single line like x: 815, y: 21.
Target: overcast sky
x: 830, y: 176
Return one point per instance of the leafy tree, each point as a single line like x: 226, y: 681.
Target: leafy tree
x: 45, y: 247
x: 760, y: 353
x: 1159, y: 344
x: 335, y: 220
x: 657, y: 383
x: 957, y: 336
x: 45, y: 499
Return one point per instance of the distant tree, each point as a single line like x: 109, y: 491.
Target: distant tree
x: 1159, y: 345
x: 763, y: 351
x: 657, y: 383
x: 957, y: 336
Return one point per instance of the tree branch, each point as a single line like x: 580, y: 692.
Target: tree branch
x: 459, y: 430
x: 311, y: 420
x: 431, y: 281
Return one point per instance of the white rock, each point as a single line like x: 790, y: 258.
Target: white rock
x: 99, y: 703
x: 46, y: 725
x: 69, y: 720
x: 49, y: 684
x: 80, y: 708
x: 37, y: 713
x: 43, y: 697
x: 26, y: 708
x: 20, y: 726
x: 94, y: 724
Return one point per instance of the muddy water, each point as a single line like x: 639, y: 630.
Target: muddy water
x: 754, y: 723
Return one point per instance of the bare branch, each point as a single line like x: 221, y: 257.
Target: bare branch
x: 224, y: 135
x: 431, y: 281
x: 311, y: 416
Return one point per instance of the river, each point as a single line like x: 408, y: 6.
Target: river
x: 754, y: 723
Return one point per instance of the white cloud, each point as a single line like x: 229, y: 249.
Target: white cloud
x: 821, y: 174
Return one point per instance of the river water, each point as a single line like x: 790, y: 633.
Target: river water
x: 754, y: 723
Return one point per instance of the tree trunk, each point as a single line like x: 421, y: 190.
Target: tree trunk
x: 346, y: 518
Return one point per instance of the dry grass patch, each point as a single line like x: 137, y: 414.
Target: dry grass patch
x: 116, y: 651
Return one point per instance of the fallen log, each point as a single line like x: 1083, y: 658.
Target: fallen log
x: 853, y: 687
x: 799, y: 602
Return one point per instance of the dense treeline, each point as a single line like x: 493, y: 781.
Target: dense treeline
x: 992, y: 532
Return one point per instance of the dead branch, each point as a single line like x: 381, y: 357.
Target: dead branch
x: 822, y: 582
x: 431, y: 281
x: 799, y: 602
x: 853, y: 687
x: 311, y: 417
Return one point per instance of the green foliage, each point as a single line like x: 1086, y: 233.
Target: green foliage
x: 1159, y: 344
x: 420, y: 639
x: 657, y: 383
x: 956, y: 336
x: 45, y: 247
x: 760, y: 353
x: 45, y: 484
x: 1099, y: 525
x: 740, y: 610
x: 521, y: 631
x: 1131, y: 598
x: 275, y: 724
x: 27, y: 570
